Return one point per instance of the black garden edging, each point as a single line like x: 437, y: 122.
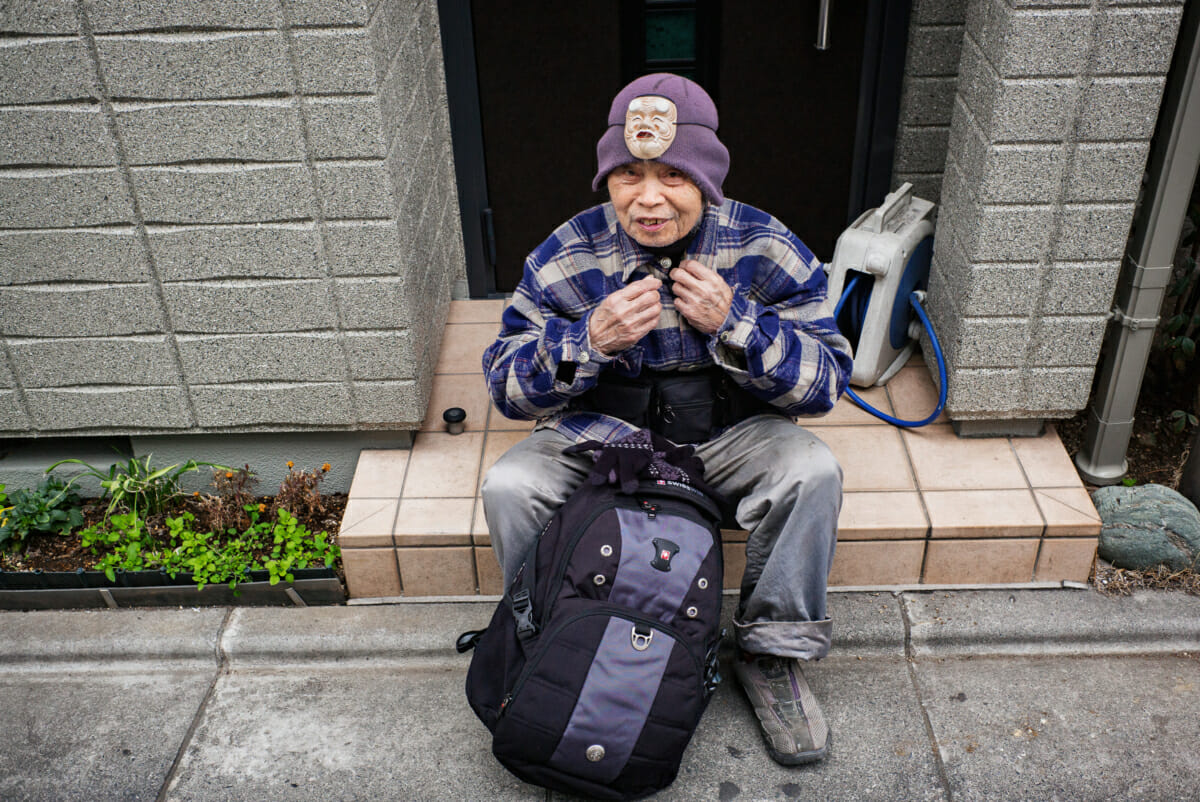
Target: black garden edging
x: 61, y: 590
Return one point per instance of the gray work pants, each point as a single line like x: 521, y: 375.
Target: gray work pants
x: 788, y: 490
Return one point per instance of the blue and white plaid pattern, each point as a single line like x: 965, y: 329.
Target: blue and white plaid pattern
x: 779, y: 341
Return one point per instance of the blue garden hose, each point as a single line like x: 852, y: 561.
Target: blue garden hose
x: 857, y: 312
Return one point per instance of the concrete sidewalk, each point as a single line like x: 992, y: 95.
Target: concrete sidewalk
x: 987, y: 695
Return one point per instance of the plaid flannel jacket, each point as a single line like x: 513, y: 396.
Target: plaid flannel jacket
x: 779, y: 340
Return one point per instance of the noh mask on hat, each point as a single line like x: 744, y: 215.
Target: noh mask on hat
x: 650, y: 126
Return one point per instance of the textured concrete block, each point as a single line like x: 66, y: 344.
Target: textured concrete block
x: 336, y: 62
x: 104, y: 408
x: 362, y: 248
x: 272, y: 357
x: 403, y: 98
x: 282, y: 250
x: 260, y: 130
x: 39, y: 16
x: 1054, y: 391
x: 391, y: 404
x: 187, y: 66
x: 355, y: 189
x: 289, y: 406
x: 921, y: 149
x: 223, y: 307
x: 223, y: 194
x: 1007, y: 233
x: 1135, y: 40
x: 934, y: 51
x: 1119, y: 108
x: 928, y: 101
x: 52, y: 136
x: 95, y: 360
x: 925, y: 185
x: 41, y: 71
x: 328, y: 12
x: 1010, y: 288
x: 1014, y: 109
x: 79, y: 311
x: 1081, y: 288
x: 987, y: 390
x: 345, y: 128
x: 939, y: 12
x: 12, y: 418
x: 1067, y: 341
x: 1004, y: 173
x: 111, y: 254
x: 1093, y: 232
x: 52, y: 198
x: 373, y: 303
x: 380, y: 355
x: 392, y: 25
x: 152, y: 15
x: 1041, y: 42
x: 1107, y: 172
x: 992, y: 342
x: 6, y: 378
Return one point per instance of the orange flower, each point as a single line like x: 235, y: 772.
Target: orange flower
x: 289, y: 463
x: 196, y: 493
x: 325, y: 467
x: 262, y: 507
x: 228, y: 474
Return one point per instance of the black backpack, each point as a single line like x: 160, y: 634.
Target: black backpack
x: 602, y: 655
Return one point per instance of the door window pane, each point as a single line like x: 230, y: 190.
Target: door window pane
x: 670, y: 35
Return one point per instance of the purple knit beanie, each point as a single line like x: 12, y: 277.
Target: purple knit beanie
x: 670, y: 119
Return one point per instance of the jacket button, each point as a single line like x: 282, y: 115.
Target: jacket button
x: 595, y: 753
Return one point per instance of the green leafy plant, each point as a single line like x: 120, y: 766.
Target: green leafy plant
x: 122, y: 541
x: 1180, y: 327
x: 3, y: 510
x: 50, y: 508
x: 300, y: 491
x: 1180, y: 419
x: 135, y: 486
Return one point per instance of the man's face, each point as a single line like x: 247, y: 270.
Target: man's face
x: 655, y: 203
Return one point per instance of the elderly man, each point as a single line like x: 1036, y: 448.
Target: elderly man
x: 669, y: 278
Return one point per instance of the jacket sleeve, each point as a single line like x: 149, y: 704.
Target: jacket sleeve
x: 779, y: 340
x: 542, y: 357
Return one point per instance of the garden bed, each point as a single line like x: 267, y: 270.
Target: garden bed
x: 137, y: 548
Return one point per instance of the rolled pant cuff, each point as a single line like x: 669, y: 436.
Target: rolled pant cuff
x: 804, y: 640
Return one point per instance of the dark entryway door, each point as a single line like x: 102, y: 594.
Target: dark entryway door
x: 799, y: 122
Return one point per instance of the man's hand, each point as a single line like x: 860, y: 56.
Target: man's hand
x: 701, y: 295
x: 625, y: 316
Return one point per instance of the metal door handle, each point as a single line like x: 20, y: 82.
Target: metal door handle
x: 823, y: 26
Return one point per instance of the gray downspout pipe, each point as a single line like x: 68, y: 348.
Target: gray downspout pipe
x: 1146, y: 270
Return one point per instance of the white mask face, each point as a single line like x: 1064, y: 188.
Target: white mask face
x: 649, y: 126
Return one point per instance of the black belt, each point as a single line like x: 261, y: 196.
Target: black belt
x: 683, y: 407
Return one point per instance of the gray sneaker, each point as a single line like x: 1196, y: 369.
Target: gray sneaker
x: 792, y: 722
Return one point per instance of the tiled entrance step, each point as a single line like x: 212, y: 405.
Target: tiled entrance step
x: 921, y: 506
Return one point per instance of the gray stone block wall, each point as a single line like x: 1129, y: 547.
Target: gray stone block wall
x: 226, y: 216
x: 1049, y: 134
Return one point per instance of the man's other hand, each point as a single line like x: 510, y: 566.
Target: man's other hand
x: 701, y: 295
x: 625, y: 316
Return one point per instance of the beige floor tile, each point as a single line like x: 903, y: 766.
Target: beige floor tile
x: 944, y: 461
x: 444, y: 465
x: 371, y: 573
x: 479, y: 528
x: 463, y: 345
x: 467, y: 391
x: 497, y: 444
x: 1046, y: 461
x: 379, y: 473
x: 498, y: 423
x: 1068, y: 511
x: 437, y: 571
x: 963, y: 562
x: 434, y: 522
x: 983, y: 513
x: 872, y: 457
x: 476, y: 311
x: 882, y: 516
x: 735, y: 564
x: 914, y: 394
x: 867, y: 562
x: 367, y: 522
x: 1066, y: 559
x: 847, y: 413
x: 491, y: 578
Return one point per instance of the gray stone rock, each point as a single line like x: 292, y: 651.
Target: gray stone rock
x: 1146, y: 526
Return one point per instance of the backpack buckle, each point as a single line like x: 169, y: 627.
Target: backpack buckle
x: 522, y: 609
x: 641, y: 637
